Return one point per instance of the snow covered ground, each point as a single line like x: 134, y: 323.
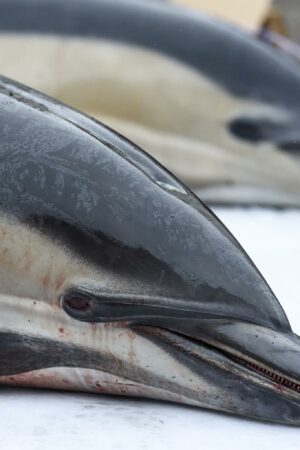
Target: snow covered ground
x: 38, y: 420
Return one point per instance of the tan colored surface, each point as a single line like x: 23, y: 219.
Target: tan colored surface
x: 249, y: 14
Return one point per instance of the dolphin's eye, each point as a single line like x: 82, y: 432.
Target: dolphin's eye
x: 77, y: 301
x: 80, y: 304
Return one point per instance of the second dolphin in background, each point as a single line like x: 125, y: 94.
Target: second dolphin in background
x: 213, y: 104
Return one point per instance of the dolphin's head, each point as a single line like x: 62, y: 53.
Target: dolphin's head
x: 116, y: 279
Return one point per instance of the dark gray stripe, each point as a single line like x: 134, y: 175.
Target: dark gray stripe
x: 24, y: 353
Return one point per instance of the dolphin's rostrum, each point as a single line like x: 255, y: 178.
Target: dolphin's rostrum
x: 115, y: 278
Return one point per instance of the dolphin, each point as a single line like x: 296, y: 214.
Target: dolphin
x: 115, y: 278
x: 215, y: 105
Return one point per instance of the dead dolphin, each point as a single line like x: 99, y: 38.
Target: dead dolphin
x: 116, y: 279
x: 210, y: 102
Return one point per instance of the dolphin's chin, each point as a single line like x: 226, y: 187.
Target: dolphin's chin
x: 256, y: 390
x: 233, y: 360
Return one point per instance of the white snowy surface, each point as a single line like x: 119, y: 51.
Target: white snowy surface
x: 37, y: 420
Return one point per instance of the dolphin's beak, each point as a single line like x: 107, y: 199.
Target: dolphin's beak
x: 249, y: 369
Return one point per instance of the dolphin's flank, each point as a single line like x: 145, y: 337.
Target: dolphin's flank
x: 115, y: 278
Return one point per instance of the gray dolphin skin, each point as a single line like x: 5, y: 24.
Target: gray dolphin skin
x: 215, y: 105
x: 116, y: 279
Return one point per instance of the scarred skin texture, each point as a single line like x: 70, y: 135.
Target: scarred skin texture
x: 116, y: 279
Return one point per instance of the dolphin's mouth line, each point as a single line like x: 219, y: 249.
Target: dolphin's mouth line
x: 276, y: 377
x: 280, y: 382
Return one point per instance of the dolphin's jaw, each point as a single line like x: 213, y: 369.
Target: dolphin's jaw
x: 279, y: 380
x: 230, y: 360
x: 247, y: 387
